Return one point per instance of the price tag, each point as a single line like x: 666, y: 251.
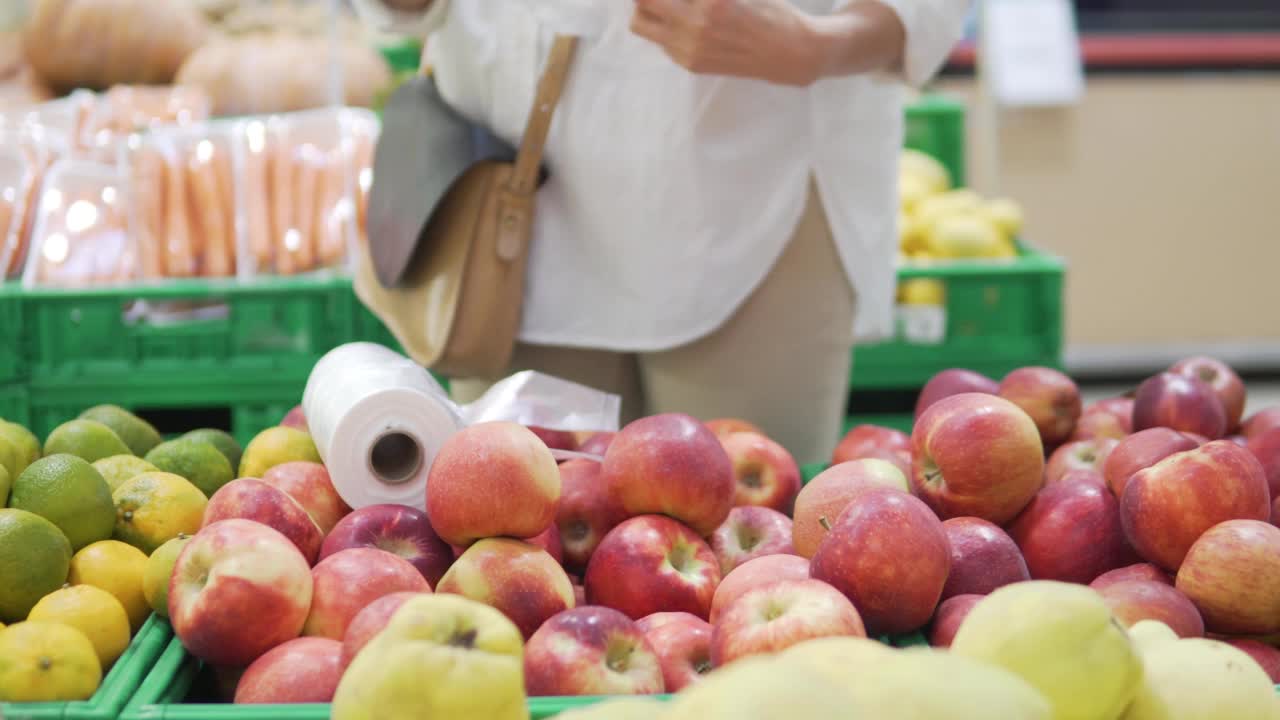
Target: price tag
x: 1031, y: 50
x: 922, y: 324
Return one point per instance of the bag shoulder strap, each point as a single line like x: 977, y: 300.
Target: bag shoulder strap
x: 524, y: 178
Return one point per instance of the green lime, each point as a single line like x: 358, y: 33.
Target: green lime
x: 226, y: 444
x: 68, y: 492
x: 86, y: 439
x: 118, y: 468
x: 136, y: 433
x: 198, y: 462
x: 34, y: 559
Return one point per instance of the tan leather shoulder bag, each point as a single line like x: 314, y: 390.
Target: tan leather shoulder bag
x: 450, y: 220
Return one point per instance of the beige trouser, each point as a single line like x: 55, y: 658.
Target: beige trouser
x: 782, y: 361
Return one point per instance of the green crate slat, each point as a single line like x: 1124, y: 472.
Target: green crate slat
x: 935, y: 124
x: 403, y: 56
x: 15, y: 404
x: 1000, y: 315
x: 118, y: 686
x: 269, y: 324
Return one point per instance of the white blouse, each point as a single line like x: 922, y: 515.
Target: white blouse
x: 672, y: 194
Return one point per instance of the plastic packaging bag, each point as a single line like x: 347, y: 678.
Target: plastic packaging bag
x: 300, y: 185
x: 128, y: 109
x: 81, y: 235
x: 183, y: 207
x: 20, y: 172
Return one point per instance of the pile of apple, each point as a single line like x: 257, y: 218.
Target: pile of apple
x: 1011, y: 516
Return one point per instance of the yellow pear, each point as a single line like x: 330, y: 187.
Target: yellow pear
x: 1006, y: 214
x: 440, y: 656
x: 922, y: 291
x: 762, y: 688
x: 928, y: 684
x: 1200, y: 679
x: 926, y: 167
x: 935, y: 207
x: 842, y: 659
x: 1062, y: 639
x: 965, y: 234
x: 912, y: 188
x: 1146, y: 634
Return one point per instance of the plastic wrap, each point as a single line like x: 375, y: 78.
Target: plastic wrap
x: 301, y: 188
x: 128, y: 109
x: 184, y: 209
x: 81, y: 233
x: 379, y: 419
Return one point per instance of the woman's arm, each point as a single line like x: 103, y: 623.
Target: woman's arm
x: 775, y: 41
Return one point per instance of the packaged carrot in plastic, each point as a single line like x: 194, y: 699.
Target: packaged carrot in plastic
x: 21, y: 169
x: 184, y: 209
x: 300, y: 186
x: 365, y: 128
x: 127, y: 109
x: 81, y: 236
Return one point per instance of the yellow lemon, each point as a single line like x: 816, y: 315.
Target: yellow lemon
x: 94, y: 612
x: 155, y: 582
x: 965, y: 235
x: 47, y: 662
x: 935, y: 207
x: 1006, y: 215
x: 911, y: 190
x: 117, y: 568
x: 926, y: 167
x: 922, y: 291
x: 153, y: 508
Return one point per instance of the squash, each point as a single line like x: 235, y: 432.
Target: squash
x: 95, y: 44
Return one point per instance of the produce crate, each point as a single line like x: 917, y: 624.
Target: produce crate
x: 935, y: 124
x: 998, y: 315
x: 403, y: 56
x: 118, y: 686
x: 259, y: 327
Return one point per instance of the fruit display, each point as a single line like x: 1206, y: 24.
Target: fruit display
x: 1020, y: 567
x: 938, y: 221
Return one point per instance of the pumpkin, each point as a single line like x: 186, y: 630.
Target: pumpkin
x: 95, y: 44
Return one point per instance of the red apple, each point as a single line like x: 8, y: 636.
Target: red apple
x: 1220, y: 378
x: 586, y: 512
x: 1261, y: 421
x: 1232, y: 574
x: 749, y: 533
x: 597, y: 443
x: 826, y: 495
x: 549, y: 540
x: 492, y: 479
x: 1134, y: 600
x: 1275, y: 512
x: 555, y: 439
x: 1168, y: 506
x: 369, y: 622
x: 520, y: 579
x: 673, y: 465
x: 1181, y: 403
x: 950, y: 615
x: 754, y: 573
x: 890, y: 556
x: 1107, y: 418
x: 861, y: 440
x: 1267, y: 657
x: 772, y: 618
x: 1049, y: 397
x: 398, y: 529
x: 900, y: 459
x: 579, y: 595
x: 255, y: 500
x: 1078, y: 455
x: 764, y: 472
x: 238, y: 589
x: 1071, y: 532
x: 295, y: 418
x: 302, y: 670
x: 683, y: 644
x: 976, y: 455
x: 983, y: 558
x: 1266, y: 447
x: 953, y: 382
x: 1240, y: 440
x: 651, y: 564
x: 346, y: 582
x: 309, y: 483
x: 1137, y: 571
x: 1142, y: 450
x: 724, y: 427
x: 591, y: 651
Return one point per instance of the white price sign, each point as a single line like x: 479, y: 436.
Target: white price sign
x: 1031, y: 50
x: 922, y: 324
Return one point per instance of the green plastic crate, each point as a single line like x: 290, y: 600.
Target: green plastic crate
x: 118, y: 686
x: 264, y: 326
x: 15, y: 404
x: 403, y: 56
x: 935, y: 124
x: 1000, y: 315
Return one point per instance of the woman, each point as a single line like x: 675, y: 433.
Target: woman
x: 722, y: 189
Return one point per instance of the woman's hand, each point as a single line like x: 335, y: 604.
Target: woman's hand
x: 764, y: 39
x: 772, y: 40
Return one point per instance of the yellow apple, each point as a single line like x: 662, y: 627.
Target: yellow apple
x: 762, y: 687
x: 912, y: 188
x: 1146, y: 634
x: 440, y: 656
x: 619, y: 708
x: 1201, y: 679
x: 924, y: 683
x: 965, y: 234
x: 935, y: 207
x: 1006, y: 214
x: 1062, y: 639
x: 925, y: 167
